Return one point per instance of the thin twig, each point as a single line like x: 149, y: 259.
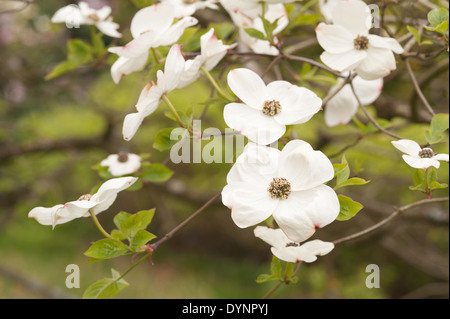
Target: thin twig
x: 417, y: 88
x: 389, y: 218
x: 370, y: 118
x: 186, y: 221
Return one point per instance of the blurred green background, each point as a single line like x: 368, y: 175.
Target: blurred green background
x: 52, y: 132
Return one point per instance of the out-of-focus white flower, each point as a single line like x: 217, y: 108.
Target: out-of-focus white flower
x: 249, y: 19
x: 292, y: 252
x: 152, y: 93
x: 151, y: 27
x: 83, y: 14
x: 184, y: 8
x: 349, y: 46
x: 212, y: 52
x: 267, y: 109
x: 287, y: 184
x: 97, y: 203
x: 122, y: 163
x: 341, y: 107
x: 418, y: 157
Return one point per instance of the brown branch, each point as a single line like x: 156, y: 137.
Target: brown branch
x: 170, y: 234
x: 389, y: 218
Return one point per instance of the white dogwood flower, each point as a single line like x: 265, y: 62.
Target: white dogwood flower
x: 151, y: 27
x: 341, y: 107
x: 285, y: 249
x: 418, y: 157
x: 151, y: 95
x: 184, y: 8
x: 122, y: 163
x: 267, y: 109
x: 349, y: 46
x: 74, y: 16
x: 287, y: 184
x: 97, y: 203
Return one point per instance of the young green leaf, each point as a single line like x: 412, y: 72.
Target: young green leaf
x: 140, y: 238
x: 107, y: 248
x: 349, y: 208
x: 156, y: 173
x: 106, y: 288
x: 163, y: 140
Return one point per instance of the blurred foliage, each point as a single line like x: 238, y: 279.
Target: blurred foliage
x: 54, y: 131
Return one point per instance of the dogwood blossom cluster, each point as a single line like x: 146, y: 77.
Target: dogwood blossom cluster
x: 286, y: 186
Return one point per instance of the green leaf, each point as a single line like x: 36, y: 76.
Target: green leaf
x: 119, y: 218
x: 163, y: 141
x: 156, y: 173
x: 106, y: 288
x: 132, y: 224
x: 107, y: 248
x: 352, y: 182
x: 146, y: 217
x: 349, y: 208
x: 254, y: 33
x: 439, y: 19
x: 344, y: 173
x: 275, y: 269
x: 415, y: 33
x: 437, y: 16
x: 141, y: 238
x: 439, y: 124
x: 78, y: 53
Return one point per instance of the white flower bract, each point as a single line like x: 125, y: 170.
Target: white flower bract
x: 287, y: 184
x: 97, y: 203
x: 267, y: 109
x: 418, y: 157
x: 184, y: 9
x: 349, y: 46
x: 289, y: 251
x: 152, y: 93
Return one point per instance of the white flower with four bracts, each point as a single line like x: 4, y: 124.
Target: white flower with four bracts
x: 349, y: 46
x: 122, y: 163
x: 418, y: 157
x: 342, y: 106
x: 151, y: 27
x: 82, y: 14
x: 97, y: 203
x: 287, y: 185
x: 267, y: 109
x: 287, y: 250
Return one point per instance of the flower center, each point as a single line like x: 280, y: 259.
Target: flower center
x: 292, y: 244
x: 85, y: 197
x: 271, y: 108
x: 123, y: 157
x: 427, y: 153
x: 279, y: 188
x: 93, y: 17
x: 361, y: 43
